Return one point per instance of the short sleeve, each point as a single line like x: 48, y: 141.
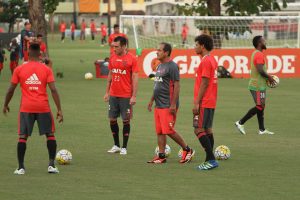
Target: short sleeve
x: 206, y: 69
x: 50, y: 77
x: 110, y: 63
x: 135, y: 67
x: 174, y: 73
x: 15, y: 77
x: 259, y: 58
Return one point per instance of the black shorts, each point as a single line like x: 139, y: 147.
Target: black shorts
x: 119, y: 106
x: 259, y: 97
x: 206, y: 117
x: 45, y: 123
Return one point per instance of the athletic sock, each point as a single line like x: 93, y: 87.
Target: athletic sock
x: 126, y: 131
x: 211, y: 139
x: 187, y: 148
x: 51, y: 145
x: 260, y: 118
x: 115, y: 132
x: 21, y: 149
x: 162, y: 155
x: 249, y: 114
x: 204, y: 141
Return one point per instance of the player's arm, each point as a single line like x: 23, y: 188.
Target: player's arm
x: 135, y: 78
x: 150, y: 103
x: 56, y: 99
x: 174, y: 100
x: 109, y: 79
x: 203, y: 87
x: 263, y: 73
x: 9, y: 95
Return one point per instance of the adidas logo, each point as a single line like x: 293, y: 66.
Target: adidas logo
x: 33, y: 79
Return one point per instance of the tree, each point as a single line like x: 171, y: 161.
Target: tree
x: 12, y: 10
x: 119, y: 9
x: 50, y: 7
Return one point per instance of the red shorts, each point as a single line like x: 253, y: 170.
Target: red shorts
x: 1, y: 66
x: 164, y: 121
x: 25, y: 55
x: 13, y: 64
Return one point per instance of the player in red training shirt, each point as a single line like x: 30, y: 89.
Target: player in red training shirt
x: 184, y: 33
x: 82, y: 30
x: 43, y: 47
x: 62, y: 29
x: 34, y: 77
x: 205, y: 99
x: 103, y: 33
x: 72, y: 28
x: 113, y: 36
x: 121, y: 91
x: 93, y: 29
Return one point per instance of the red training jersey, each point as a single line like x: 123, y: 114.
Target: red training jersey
x: 208, y: 68
x: 93, y: 27
x: 259, y: 58
x: 111, y: 39
x: 121, y: 68
x: 62, y: 27
x: 43, y: 47
x: 72, y: 27
x: 33, y: 78
x: 83, y: 26
x: 184, y: 31
x: 103, y: 30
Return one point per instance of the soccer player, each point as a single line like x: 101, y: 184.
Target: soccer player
x: 26, y: 37
x: 113, y: 36
x: 82, y: 32
x: 62, y: 28
x: 43, y: 46
x: 93, y: 29
x: 205, y: 99
x: 72, y: 29
x: 166, y: 96
x: 14, y: 55
x: 184, y: 33
x: 257, y: 87
x: 103, y: 33
x: 121, y: 90
x: 34, y: 77
x: 2, y: 58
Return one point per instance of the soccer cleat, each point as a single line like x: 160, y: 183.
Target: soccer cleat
x: 19, y: 171
x: 187, y: 156
x: 123, y: 151
x: 157, y: 160
x: 114, y: 149
x: 265, y: 132
x: 240, y: 127
x: 53, y: 170
x: 211, y: 164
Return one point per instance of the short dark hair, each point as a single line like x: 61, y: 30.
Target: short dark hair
x: 205, y: 40
x: 39, y: 35
x: 26, y: 23
x: 116, y: 26
x: 256, y: 40
x: 167, y: 47
x: 123, y: 41
x: 34, y: 50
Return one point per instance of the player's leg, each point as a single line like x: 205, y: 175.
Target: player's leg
x: 113, y: 114
x: 209, y: 115
x: 126, y: 113
x: 260, y: 113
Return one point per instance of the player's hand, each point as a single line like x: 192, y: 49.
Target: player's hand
x: 150, y: 106
x: 172, y: 109
x: 59, y: 116
x: 132, y: 100
x: 271, y: 80
x: 5, y: 110
x: 106, y: 97
x: 196, y: 109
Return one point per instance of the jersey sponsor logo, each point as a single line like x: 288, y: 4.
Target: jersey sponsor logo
x: 33, y: 79
x: 158, y: 79
x: 118, y: 71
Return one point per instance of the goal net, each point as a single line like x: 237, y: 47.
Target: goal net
x: 227, y: 32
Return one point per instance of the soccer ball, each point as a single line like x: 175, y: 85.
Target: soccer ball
x: 167, y: 150
x: 88, y: 76
x: 63, y: 157
x: 222, y: 152
x: 276, y: 80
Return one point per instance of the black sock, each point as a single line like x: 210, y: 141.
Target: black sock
x: 260, y: 118
x: 187, y: 148
x: 51, y: 145
x: 204, y: 141
x: 115, y: 132
x: 249, y: 114
x: 211, y: 139
x: 126, y: 131
x: 21, y: 149
x: 162, y: 155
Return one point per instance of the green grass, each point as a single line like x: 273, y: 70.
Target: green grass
x: 261, y: 167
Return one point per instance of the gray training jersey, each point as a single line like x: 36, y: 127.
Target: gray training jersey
x: 166, y: 74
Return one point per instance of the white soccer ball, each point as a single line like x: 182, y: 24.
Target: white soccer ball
x: 276, y: 80
x: 222, y: 152
x: 88, y: 76
x: 63, y: 157
x: 167, y: 150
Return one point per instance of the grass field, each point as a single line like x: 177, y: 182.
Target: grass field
x: 261, y: 167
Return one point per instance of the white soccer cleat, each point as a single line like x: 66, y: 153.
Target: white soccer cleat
x: 53, y: 170
x: 19, y: 171
x: 240, y: 127
x: 123, y: 151
x: 114, y: 149
x: 265, y: 132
